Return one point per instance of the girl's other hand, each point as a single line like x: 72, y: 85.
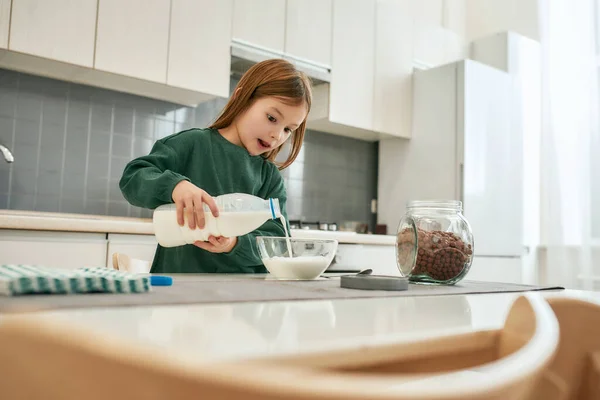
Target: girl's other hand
x: 189, y: 198
x: 218, y: 244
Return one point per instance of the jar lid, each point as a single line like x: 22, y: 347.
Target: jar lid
x: 437, y: 204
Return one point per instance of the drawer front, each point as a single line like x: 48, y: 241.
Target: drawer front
x: 356, y: 257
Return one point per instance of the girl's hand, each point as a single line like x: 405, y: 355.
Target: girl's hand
x: 218, y: 244
x: 190, y: 197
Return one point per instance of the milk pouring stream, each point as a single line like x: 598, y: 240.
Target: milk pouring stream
x: 239, y: 214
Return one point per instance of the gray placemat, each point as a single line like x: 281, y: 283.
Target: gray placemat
x: 190, y: 289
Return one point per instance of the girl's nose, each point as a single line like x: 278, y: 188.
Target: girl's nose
x: 276, y: 134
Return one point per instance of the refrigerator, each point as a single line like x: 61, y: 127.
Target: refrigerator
x: 475, y: 125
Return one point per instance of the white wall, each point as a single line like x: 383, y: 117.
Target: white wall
x: 484, y: 17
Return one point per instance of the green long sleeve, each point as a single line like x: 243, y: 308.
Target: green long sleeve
x: 148, y: 181
x: 217, y: 166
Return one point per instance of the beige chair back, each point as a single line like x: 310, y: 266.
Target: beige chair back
x: 574, y: 374
x: 42, y: 361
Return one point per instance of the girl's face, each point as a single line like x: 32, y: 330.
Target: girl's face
x: 268, y: 123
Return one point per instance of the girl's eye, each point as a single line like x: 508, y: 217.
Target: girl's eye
x: 273, y: 119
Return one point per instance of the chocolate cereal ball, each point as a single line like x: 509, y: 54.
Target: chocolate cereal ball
x: 440, y: 256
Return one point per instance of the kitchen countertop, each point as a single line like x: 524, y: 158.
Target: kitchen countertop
x: 34, y: 220
x: 225, y: 332
x: 46, y: 221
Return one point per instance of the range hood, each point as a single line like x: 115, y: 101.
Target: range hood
x: 244, y: 55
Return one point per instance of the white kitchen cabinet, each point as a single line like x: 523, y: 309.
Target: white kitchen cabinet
x: 5, y: 6
x: 139, y: 247
x: 133, y: 38
x: 392, y: 100
x: 356, y: 257
x: 465, y: 149
x: 67, y: 250
x: 62, y: 30
x: 199, y: 45
x: 130, y: 46
x: 496, y: 269
x: 370, y: 93
x: 352, y: 66
x: 492, y: 163
x: 424, y: 167
x: 462, y: 148
x: 521, y: 58
x: 476, y: 138
x: 260, y: 22
x: 308, y: 30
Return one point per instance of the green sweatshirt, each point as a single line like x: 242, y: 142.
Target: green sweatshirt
x: 211, y: 162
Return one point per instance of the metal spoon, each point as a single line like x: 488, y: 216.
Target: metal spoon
x: 367, y: 271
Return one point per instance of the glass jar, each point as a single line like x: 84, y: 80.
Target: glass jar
x: 434, y: 243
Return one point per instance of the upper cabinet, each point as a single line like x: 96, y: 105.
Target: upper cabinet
x: 359, y: 53
x: 308, y: 30
x: 299, y: 30
x: 4, y: 22
x: 260, y: 22
x: 199, y: 45
x: 61, y: 30
x: 369, y: 96
x: 352, y: 66
x: 133, y: 38
x: 173, y: 50
x: 392, y: 100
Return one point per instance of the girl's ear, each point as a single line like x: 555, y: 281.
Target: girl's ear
x: 236, y: 92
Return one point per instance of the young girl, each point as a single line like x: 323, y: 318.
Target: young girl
x: 236, y: 154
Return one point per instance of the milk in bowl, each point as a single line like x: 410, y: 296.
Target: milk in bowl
x: 308, y: 259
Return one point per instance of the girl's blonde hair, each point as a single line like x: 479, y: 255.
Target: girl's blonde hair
x: 271, y: 78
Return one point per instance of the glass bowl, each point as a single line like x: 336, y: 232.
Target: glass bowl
x: 298, y: 259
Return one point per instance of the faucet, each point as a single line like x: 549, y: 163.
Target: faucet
x: 7, y: 154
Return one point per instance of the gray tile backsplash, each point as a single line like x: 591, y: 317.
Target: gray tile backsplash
x: 333, y: 179
x: 71, y: 143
